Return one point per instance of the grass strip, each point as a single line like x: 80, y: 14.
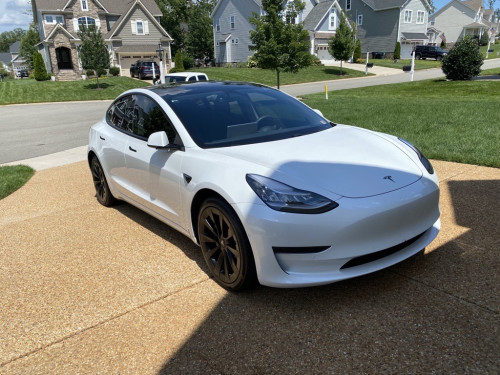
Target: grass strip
x: 13, y: 178
x: 448, y: 120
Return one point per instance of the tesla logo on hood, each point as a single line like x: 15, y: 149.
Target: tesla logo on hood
x: 389, y: 178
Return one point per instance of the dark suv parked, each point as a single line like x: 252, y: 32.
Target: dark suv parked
x: 144, y: 69
x: 429, y: 52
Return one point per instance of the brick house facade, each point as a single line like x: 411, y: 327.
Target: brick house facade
x: 130, y: 28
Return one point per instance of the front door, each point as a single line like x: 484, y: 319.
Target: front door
x: 63, y: 55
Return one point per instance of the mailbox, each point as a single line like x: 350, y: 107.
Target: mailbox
x: 369, y: 65
x: 490, y: 51
x: 406, y: 68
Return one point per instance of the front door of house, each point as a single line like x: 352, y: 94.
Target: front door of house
x: 64, y: 58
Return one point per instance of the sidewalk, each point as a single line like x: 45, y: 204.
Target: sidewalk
x: 94, y: 290
x: 377, y: 70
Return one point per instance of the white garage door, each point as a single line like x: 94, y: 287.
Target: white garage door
x: 323, y: 53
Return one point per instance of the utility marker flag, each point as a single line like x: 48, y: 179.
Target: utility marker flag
x: 326, y: 92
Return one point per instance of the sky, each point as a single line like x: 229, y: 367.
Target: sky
x: 14, y: 13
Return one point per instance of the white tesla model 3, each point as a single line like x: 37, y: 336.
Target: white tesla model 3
x: 267, y: 187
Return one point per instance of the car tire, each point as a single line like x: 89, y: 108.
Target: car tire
x: 139, y: 75
x: 418, y: 57
x: 103, y: 194
x: 225, y: 246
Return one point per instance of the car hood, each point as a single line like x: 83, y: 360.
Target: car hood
x: 344, y: 160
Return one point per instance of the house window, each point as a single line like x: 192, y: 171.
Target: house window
x: 140, y: 27
x: 408, y: 15
x: 232, y: 18
x: 84, y: 22
x: 234, y: 41
x: 348, y: 4
x: 420, y: 16
x: 217, y: 24
x: 332, y: 21
x: 50, y: 19
x: 84, y: 5
x: 217, y: 43
x: 360, y: 19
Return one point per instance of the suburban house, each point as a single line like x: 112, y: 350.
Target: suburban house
x: 467, y: 17
x: 382, y: 23
x: 232, y: 27
x: 5, y: 60
x: 18, y: 63
x: 130, y: 28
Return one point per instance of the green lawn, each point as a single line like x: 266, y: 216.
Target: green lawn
x: 13, y: 177
x: 456, y: 121
x: 492, y: 55
x: 489, y: 72
x: 31, y: 91
x: 419, y: 64
x: 268, y: 77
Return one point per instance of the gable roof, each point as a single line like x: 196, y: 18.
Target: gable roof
x: 110, y: 6
x: 5, y: 57
x: 14, y: 47
x: 378, y: 5
x: 317, y: 14
x: 473, y: 4
x: 258, y: 2
x: 125, y: 16
x: 64, y: 30
x: 467, y: 4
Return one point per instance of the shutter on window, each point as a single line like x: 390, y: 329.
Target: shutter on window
x: 75, y: 24
x: 134, y: 28
x: 98, y: 24
x: 146, y: 27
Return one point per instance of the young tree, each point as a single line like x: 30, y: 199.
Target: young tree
x: 433, y: 8
x: 464, y: 60
x: 341, y: 46
x: 93, y: 51
x: 279, y: 43
x: 27, y: 48
x: 40, y: 72
x: 443, y: 44
x: 357, y: 51
x: 179, y: 62
x: 397, y: 51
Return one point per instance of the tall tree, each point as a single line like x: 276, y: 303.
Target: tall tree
x: 200, y: 35
x: 341, y: 46
x: 433, y: 8
x: 175, y: 20
x: 7, y: 38
x: 93, y: 51
x: 279, y: 43
x: 27, y: 48
x: 491, y: 3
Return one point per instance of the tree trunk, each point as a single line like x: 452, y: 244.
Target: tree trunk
x: 340, y: 67
x: 278, y: 78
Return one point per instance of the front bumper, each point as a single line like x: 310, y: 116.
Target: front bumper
x: 354, y: 229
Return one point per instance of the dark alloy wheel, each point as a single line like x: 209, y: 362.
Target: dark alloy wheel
x: 103, y: 194
x: 225, y: 245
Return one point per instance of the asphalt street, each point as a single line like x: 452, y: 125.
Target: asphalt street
x: 32, y: 130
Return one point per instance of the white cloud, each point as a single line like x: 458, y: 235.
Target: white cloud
x: 14, y: 13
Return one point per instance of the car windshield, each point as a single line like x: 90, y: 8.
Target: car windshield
x: 174, y: 78
x: 222, y: 114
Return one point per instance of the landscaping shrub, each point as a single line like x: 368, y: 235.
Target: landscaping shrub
x: 443, y: 44
x: 484, y: 39
x: 315, y: 61
x: 241, y: 64
x: 114, y: 71
x: 188, y: 62
x: 40, y: 71
x: 357, y: 51
x: 397, y: 51
x: 101, y: 72
x: 179, y: 64
x: 89, y: 73
x: 464, y: 60
x: 251, y: 62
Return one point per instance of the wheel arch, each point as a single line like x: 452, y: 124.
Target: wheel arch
x: 196, y: 203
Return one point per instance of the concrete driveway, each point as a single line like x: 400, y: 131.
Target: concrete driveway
x: 94, y: 290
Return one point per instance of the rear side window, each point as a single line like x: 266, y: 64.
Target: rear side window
x: 193, y: 78
x: 140, y: 116
x: 202, y: 78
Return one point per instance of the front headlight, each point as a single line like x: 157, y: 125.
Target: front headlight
x: 425, y: 162
x: 282, y: 197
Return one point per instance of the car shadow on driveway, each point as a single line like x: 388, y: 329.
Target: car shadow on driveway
x: 434, y: 313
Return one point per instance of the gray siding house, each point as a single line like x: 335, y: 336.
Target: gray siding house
x: 131, y: 29
x: 467, y: 17
x: 382, y: 23
x: 232, y: 27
